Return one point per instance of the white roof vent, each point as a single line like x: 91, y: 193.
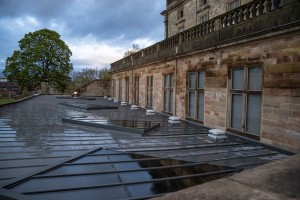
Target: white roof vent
x: 134, y: 107
x: 216, y: 134
x: 150, y: 112
x: 116, y: 101
x: 105, y: 97
x: 123, y: 103
x: 174, y: 120
x: 110, y: 99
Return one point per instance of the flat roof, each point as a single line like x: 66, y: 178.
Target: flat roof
x: 42, y: 156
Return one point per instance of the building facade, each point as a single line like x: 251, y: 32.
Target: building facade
x: 9, y: 88
x: 181, y: 15
x: 238, y: 71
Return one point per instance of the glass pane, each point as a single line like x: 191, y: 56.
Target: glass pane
x: 201, y: 105
x: 171, y: 101
x: 165, y: 100
x: 148, y: 81
x: 151, y: 98
x: 253, y: 113
x: 137, y: 95
x: 238, y: 79
x: 166, y: 81
x: 192, y: 105
x: 255, y: 78
x: 236, y: 111
x: 201, y: 80
x: 192, y: 80
x: 172, y: 81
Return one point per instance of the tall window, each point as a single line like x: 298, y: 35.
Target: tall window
x: 136, y: 90
x: 180, y: 13
x: 203, y: 18
x: 149, y: 89
x: 168, y: 92
x: 181, y: 29
x: 233, y: 5
x: 127, y: 89
x: 120, y: 89
x: 196, y: 85
x: 202, y: 2
x: 246, y: 92
x: 114, y: 88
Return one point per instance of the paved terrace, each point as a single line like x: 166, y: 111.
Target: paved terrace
x: 43, y: 158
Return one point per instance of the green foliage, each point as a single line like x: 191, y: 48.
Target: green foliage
x: 135, y: 48
x: 6, y: 100
x: 104, y: 74
x: 43, y: 56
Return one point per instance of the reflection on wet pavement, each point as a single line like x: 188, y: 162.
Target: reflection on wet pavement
x: 33, y: 137
x: 149, y: 177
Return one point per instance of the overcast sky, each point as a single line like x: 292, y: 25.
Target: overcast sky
x: 98, y: 32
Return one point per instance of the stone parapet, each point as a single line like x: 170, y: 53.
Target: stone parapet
x: 250, y: 20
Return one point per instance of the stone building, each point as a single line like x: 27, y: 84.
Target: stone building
x: 9, y: 88
x: 95, y: 88
x: 181, y: 15
x: 238, y: 70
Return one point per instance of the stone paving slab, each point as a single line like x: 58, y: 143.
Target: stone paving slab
x: 277, y: 180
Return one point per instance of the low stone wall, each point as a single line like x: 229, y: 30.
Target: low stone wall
x: 95, y: 88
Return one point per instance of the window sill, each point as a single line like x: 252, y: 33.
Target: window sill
x: 247, y: 135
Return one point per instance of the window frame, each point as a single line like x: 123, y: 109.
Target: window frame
x: 114, y: 87
x: 127, y: 83
x: 120, y: 89
x: 149, y: 92
x: 202, y: 2
x: 245, y: 92
x: 168, y: 90
x: 234, y: 3
x: 196, y: 90
x: 201, y: 17
x: 136, y: 90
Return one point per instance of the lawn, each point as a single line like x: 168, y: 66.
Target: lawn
x: 5, y: 100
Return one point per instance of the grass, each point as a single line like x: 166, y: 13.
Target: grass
x: 6, y: 100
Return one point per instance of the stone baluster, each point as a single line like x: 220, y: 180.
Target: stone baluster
x: 197, y: 32
x: 247, y: 13
x: 276, y: 4
x: 236, y: 17
x: 269, y: 6
x: 201, y: 30
x: 213, y: 25
x: 205, y: 28
x: 229, y: 20
x: 241, y: 15
x: 225, y: 21
x: 254, y: 10
x: 261, y: 8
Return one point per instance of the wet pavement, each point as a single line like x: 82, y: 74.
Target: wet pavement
x: 33, y: 137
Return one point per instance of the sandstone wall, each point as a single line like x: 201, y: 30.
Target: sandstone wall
x: 193, y: 9
x: 96, y: 88
x: 280, y: 58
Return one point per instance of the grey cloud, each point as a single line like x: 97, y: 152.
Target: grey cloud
x: 106, y: 19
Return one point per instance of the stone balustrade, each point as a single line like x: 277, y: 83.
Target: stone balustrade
x: 253, y: 19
